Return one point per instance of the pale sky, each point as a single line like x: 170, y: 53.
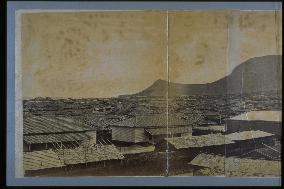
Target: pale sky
x: 106, y: 54
x: 206, y: 45
x: 92, y: 54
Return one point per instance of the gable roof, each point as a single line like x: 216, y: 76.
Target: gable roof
x: 50, y: 138
x: 170, y: 130
x: 52, y: 124
x: 155, y: 120
x: 214, y: 139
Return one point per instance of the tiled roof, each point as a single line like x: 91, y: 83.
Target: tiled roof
x: 214, y: 139
x: 50, y: 138
x: 44, y: 159
x: 210, y: 161
x: 171, y: 130
x: 91, y: 154
x: 49, y: 124
x: 233, y: 166
x: 268, y: 152
x: 155, y: 120
x: 95, y: 121
x: 220, y: 128
x: 136, y: 149
x: 198, y: 141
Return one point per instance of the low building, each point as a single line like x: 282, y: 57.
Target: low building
x: 267, y: 152
x: 216, y: 165
x: 58, y: 158
x: 215, y: 139
x: 44, y: 159
x: 44, y: 132
x: 246, y: 141
x: 136, y: 149
x: 268, y: 121
x: 209, y: 129
x: 232, y: 144
x: 88, y: 154
x: 54, y: 142
x: 198, y: 141
x: 150, y: 128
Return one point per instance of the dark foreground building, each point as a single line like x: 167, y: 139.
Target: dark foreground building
x: 268, y: 121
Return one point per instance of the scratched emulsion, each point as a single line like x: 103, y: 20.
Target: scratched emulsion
x: 104, y: 54
x: 198, y: 46
x: 92, y: 54
x: 206, y: 45
x: 253, y: 34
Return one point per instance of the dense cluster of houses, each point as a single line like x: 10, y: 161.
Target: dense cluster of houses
x: 57, y: 142
x: 217, y: 108
x: 249, y: 140
x: 60, y: 141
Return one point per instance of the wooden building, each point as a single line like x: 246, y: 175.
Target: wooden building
x: 217, y: 139
x: 268, y: 121
x: 209, y: 129
x: 235, y: 144
x: 57, y: 158
x: 44, y: 132
x: 51, y: 143
x: 150, y: 128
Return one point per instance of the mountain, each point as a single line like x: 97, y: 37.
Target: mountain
x: 259, y: 74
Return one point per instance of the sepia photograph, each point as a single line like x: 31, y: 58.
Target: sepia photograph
x: 168, y: 93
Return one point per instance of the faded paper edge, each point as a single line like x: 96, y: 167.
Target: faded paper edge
x: 19, y: 171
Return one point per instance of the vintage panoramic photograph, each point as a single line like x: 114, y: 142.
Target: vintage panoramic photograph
x: 149, y: 93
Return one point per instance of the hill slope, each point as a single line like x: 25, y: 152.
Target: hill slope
x: 258, y: 74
